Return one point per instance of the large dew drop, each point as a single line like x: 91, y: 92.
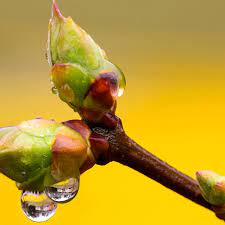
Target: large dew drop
x: 64, y: 191
x: 37, y: 206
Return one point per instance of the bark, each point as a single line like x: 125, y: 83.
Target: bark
x: 124, y: 150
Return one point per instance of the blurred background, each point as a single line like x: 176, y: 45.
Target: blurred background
x: 173, y: 55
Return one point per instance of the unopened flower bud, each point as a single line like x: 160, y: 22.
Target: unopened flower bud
x: 81, y: 74
x: 39, y: 153
x: 212, y: 186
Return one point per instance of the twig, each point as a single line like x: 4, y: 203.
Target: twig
x: 127, y: 152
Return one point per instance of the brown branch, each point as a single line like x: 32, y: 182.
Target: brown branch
x: 127, y: 152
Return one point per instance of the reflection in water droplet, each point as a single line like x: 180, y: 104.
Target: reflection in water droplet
x: 55, y: 90
x: 37, y: 206
x: 120, y: 92
x: 64, y: 191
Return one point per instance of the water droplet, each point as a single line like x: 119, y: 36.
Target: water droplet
x: 37, y: 206
x: 55, y: 90
x: 120, y: 92
x: 64, y: 191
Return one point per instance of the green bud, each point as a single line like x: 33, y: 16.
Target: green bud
x: 72, y: 83
x: 81, y: 74
x: 68, y: 43
x: 212, y: 186
x: 39, y: 153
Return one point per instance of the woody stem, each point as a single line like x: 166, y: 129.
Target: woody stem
x: 127, y: 152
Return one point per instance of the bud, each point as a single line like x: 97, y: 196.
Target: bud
x: 68, y: 43
x: 81, y: 73
x: 39, y: 153
x: 212, y: 187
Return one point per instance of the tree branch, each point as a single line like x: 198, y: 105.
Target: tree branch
x: 127, y: 152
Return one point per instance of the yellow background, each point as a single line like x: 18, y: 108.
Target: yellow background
x: 173, y: 55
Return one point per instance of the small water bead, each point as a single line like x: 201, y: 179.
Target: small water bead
x: 120, y: 92
x: 64, y: 191
x: 55, y: 90
x: 37, y: 206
